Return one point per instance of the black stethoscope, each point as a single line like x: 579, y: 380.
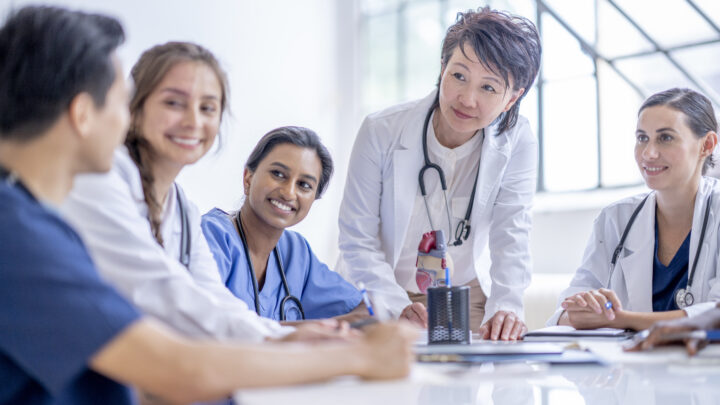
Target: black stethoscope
x: 683, y: 296
x: 288, y: 296
x: 462, y: 231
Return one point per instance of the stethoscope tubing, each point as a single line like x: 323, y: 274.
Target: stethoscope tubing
x: 462, y: 232
x: 634, y: 215
x: 281, y: 268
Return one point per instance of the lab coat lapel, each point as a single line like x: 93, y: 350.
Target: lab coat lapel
x: 704, y: 189
x: 407, y: 162
x: 493, y: 156
x: 636, y: 259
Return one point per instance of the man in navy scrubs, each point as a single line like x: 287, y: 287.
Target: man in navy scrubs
x: 66, y: 337
x: 62, y: 112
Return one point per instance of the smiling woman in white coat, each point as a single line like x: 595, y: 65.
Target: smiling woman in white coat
x: 470, y: 128
x: 655, y: 256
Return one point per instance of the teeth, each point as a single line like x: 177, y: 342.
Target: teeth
x: 281, y: 205
x: 186, y: 141
x: 654, y: 169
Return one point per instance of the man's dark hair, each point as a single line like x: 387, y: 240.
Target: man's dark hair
x: 49, y: 55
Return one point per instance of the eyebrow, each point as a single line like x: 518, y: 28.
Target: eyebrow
x: 666, y: 129
x: 491, y: 78
x: 185, y: 93
x: 304, y: 176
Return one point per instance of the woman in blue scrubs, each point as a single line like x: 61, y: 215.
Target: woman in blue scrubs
x: 272, y: 269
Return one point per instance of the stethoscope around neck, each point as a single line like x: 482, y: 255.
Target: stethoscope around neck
x: 462, y: 231
x: 251, y: 270
x: 185, y: 248
x: 683, y: 296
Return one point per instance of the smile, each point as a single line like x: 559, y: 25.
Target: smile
x: 184, y: 141
x: 653, y: 170
x: 462, y: 115
x: 281, y: 206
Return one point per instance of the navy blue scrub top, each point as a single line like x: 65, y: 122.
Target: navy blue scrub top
x: 55, y: 311
x: 668, y: 279
x: 322, y: 292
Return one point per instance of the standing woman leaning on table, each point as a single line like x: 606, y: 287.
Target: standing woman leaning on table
x: 470, y: 127
x: 667, y: 265
x: 143, y: 233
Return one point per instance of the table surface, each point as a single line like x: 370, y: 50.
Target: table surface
x: 666, y: 376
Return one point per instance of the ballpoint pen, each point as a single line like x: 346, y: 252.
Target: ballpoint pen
x: 366, y: 299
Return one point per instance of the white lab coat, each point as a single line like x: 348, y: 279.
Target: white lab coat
x: 110, y: 213
x: 380, y: 192
x: 633, y: 274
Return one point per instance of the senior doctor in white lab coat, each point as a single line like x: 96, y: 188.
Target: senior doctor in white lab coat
x: 655, y: 276
x: 477, y: 138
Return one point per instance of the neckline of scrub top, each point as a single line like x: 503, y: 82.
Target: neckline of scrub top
x: 668, y: 279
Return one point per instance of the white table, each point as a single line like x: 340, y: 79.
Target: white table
x: 663, y: 377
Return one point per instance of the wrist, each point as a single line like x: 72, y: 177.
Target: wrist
x: 360, y: 358
x: 624, y: 320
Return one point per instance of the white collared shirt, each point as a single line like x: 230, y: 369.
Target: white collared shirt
x: 460, y: 166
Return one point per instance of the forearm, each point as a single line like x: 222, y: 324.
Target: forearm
x: 159, y: 362
x: 227, y: 368
x: 644, y: 320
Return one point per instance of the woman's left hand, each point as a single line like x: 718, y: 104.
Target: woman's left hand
x: 504, y: 325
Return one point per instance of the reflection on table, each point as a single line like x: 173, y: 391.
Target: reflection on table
x: 664, y: 377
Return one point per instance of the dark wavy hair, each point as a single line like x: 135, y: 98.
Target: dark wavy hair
x: 147, y: 74
x: 698, y: 111
x: 507, y: 45
x: 298, y: 136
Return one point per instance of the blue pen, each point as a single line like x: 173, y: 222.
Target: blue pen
x: 366, y: 299
x: 447, y: 277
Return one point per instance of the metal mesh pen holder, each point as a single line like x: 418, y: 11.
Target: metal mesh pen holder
x: 448, y: 315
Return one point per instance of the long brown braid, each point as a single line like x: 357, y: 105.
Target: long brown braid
x: 147, y: 74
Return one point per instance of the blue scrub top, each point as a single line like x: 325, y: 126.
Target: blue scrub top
x: 322, y: 292
x: 55, y: 311
x: 668, y: 279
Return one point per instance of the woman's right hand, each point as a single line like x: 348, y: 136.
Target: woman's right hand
x: 386, y: 350
x: 587, y: 309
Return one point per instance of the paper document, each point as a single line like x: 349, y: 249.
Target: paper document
x: 492, y: 348
x: 562, y: 332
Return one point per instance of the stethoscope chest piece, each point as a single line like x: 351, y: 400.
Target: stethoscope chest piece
x: 684, y: 298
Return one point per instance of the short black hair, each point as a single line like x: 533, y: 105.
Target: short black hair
x: 506, y: 44
x: 298, y: 136
x: 49, y: 55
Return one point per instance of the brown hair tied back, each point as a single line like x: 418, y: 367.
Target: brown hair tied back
x: 147, y: 74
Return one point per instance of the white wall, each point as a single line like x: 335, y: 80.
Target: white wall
x: 289, y: 63
x: 293, y: 63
